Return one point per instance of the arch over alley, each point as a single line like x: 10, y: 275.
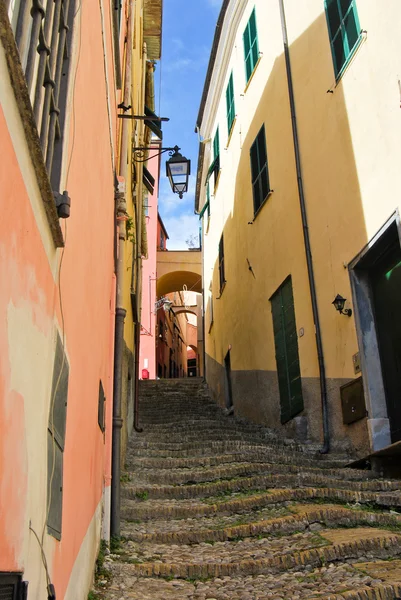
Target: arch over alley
x: 179, y: 268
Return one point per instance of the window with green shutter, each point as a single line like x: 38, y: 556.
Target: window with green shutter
x: 56, y: 439
x: 215, y: 166
x: 259, y: 170
x: 344, y: 31
x: 222, y: 278
x: 287, y: 358
x: 251, y: 47
x: 230, y: 103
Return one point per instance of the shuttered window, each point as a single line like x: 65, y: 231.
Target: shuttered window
x: 222, y: 278
x: 56, y: 439
x: 344, y: 31
x: 259, y: 170
x: 230, y: 103
x: 251, y: 46
x: 12, y: 587
x: 43, y: 34
x: 287, y: 358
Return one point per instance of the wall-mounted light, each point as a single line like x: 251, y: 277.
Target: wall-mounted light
x: 163, y: 302
x: 178, y: 168
x: 339, y: 303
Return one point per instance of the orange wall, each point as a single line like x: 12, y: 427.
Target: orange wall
x: 87, y: 291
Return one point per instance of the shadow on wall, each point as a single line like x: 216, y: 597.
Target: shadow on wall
x: 274, y: 247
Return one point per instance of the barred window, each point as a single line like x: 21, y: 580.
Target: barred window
x: 43, y: 33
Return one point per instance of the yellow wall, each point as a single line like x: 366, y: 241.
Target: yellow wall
x: 349, y: 142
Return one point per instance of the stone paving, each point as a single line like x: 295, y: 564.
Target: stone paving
x: 214, y: 508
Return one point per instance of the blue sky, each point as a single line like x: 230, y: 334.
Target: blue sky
x: 188, y: 30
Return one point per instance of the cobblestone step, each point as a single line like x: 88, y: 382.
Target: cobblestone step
x: 214, y: 508
x: 278, y: 521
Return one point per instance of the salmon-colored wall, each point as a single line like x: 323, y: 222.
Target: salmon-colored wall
x: 30, y: 316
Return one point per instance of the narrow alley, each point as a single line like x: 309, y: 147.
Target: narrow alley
x: 215, y: 508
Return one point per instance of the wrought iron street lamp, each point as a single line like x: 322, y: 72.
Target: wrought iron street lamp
x: 178, y: 168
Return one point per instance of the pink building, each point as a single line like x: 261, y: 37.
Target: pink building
x: 147, y: 352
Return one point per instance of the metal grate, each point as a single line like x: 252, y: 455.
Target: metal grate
x: 7, y: 591
x: 12, y: 588
x: 43, y: 36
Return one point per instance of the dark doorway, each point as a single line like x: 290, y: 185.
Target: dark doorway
x: 386, y: 287
x: 170, y: 364
x: 228, y: 387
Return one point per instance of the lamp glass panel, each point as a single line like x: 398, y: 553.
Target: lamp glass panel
x: 178, y: 168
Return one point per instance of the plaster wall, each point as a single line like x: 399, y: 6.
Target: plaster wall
x: 348, y: 142
x: 148, y: 316
x: 30, y: 316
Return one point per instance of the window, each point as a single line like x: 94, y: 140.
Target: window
x: 230, y: 103
x: 259, y: 170
x: 287, y: 358
x: 161, y: 239
x: 46, y: 71
x: 101, y: 408
x: 251, y: 47
x: 56, y: 438
x: 215, y: 166
x: 12, y: 587
x: 344, y: 31
x: 222, y: 278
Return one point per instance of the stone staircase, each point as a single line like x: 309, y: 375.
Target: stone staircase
x: 214, y: 508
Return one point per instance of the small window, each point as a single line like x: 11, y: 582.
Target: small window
x: 259, y: 170
x: 161, y: 239
x: 344, y: 31
x: 222, y: 279
x: 230, y: 103
x: 101, y: 407
x: 251, y: 47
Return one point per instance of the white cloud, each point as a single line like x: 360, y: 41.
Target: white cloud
x: 170, y: 203
x: 180, y: 229
x: 214, y: 3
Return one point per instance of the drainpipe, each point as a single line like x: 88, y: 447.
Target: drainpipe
x: 138, y: 282
x: 308, y: 252
x: 121, y: 213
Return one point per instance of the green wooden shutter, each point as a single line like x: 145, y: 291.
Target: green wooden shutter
x: 259, y: 170
x: 287, y: 358
x: 251, y: 46
x: 230, y: 103
x: 216, y: 145
x: 344, y: 31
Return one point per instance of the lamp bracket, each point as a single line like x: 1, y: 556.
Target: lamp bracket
x: 143, y: 118
x: 139, y: 152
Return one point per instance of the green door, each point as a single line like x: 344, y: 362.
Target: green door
x: 287, y: 358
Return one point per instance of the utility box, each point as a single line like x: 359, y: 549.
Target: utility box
x: 353, y: 401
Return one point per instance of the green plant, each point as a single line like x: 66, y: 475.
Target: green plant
x: 142, y: 495
x: 129, y: 228
x: 125, y: 477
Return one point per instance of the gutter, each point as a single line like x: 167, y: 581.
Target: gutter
x: 308, y: 251
x: 121, y: 212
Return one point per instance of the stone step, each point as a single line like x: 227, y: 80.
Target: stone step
x: 242, y: 483
x: 335, y: 582
x: 143, y: 509
x: 336, y: 545
x: 161, y: 465
x: 278, y: 521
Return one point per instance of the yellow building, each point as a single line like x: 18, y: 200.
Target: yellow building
x: 141, y: 49
x: 298, y: 189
